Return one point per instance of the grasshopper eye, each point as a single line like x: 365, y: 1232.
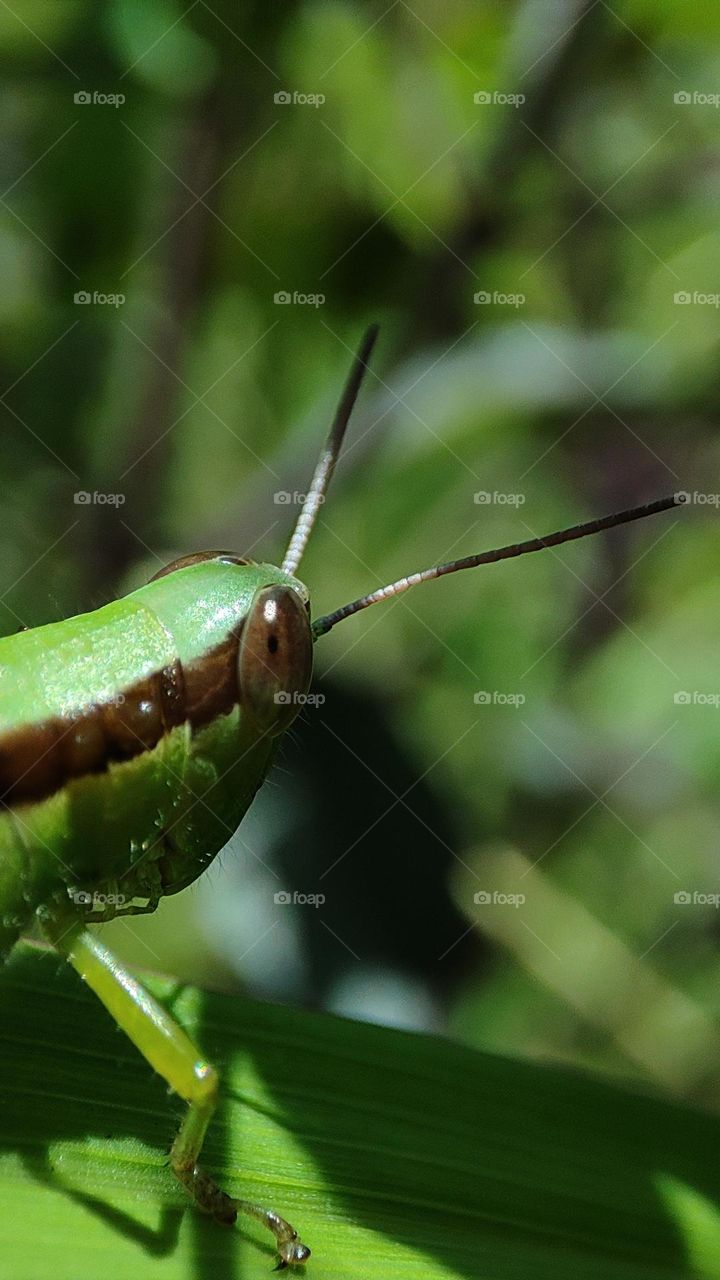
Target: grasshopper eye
x: 196, y: 557
x: 275, y: 658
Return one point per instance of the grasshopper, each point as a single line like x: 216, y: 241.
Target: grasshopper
x: 144, y: 729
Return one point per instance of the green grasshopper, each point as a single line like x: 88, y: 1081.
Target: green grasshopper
x: 145, y: 729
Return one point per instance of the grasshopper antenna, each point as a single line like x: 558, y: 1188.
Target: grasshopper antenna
x: 325, y: 624
x: 329, y: 455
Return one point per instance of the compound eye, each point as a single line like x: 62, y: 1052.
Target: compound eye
x: 275, y: 658
x: 197, y: 557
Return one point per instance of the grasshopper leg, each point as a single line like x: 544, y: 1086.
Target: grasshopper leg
x: 173, y: 1055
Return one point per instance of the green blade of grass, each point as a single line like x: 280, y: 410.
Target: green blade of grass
x: 396, y: 1156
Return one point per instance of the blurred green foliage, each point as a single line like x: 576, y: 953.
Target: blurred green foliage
x: 199, y: 399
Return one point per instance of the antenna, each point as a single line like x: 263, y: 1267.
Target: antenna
x: 323, y: 625
x: 329, y: 455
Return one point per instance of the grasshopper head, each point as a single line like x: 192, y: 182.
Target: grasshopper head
x: 269, y: 610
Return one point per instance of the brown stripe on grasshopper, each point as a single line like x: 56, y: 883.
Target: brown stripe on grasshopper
x: 211, y: 682
x: 37, y: 760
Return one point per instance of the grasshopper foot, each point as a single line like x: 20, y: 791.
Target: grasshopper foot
x: 224, y: 1209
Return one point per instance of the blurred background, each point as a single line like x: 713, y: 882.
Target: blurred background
x: 506, y: 790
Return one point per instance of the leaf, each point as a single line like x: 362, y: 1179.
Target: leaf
x: 395, y: 1155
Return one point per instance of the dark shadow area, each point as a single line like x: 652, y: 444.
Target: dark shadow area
x: 373, y: 837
